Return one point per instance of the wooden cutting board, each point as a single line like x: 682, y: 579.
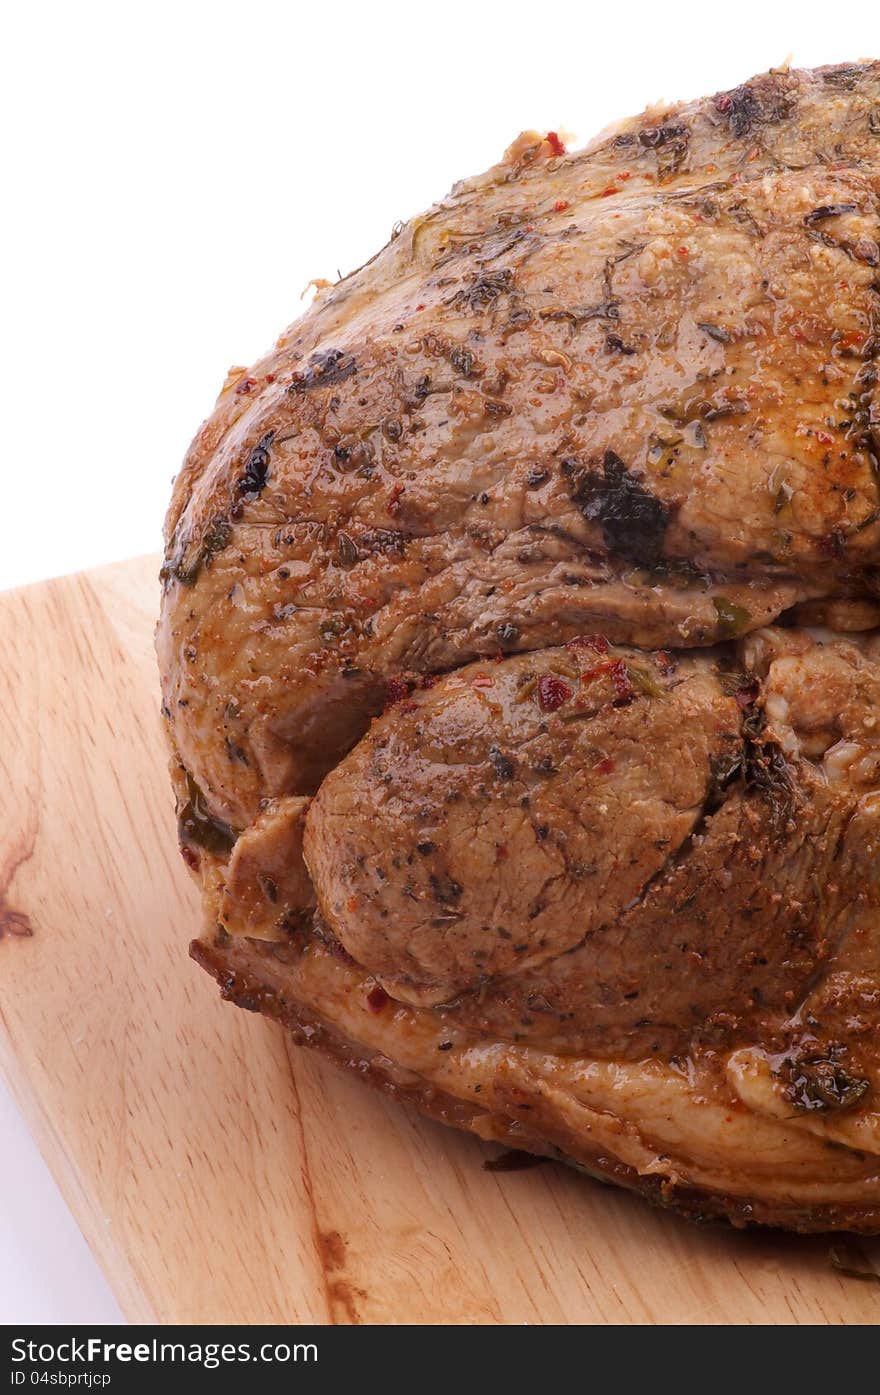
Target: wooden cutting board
x: 219, y: 1173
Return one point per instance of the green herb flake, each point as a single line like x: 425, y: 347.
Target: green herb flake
x: 732, y: 619
x: 196, y: 824
x: 644, y: 683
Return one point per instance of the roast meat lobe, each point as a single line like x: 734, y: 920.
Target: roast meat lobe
x: 496, y: 820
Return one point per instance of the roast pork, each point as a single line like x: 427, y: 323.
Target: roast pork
x: 521, y: 665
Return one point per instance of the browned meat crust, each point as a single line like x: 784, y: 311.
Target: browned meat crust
x: 236, y: 965
x: 451, y: 454
x: 511, y: 761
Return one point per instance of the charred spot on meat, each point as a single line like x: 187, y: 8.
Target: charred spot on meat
x: 253, y: 481
x: 633, y: 521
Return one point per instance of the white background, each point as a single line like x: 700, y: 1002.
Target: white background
x: 173, y: 175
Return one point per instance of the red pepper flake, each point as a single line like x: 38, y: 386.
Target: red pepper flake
x: 624, y: 174
x: 555, y: 144
x: 394, y: 499
x: 683, y: 252
x: 621, y: 682
x: 552, y: 692
x: 421, y: 307
x: 501, y: 852
x: 396, y: 690
x: 746, y: 697
x: 604, y: 767
x: 270, y: 377
x: 246, y: 385
x: 377, y: 998
x: 351, y: 905
x: 825, y: 438
x: 605, y: 192
x: 597, y: 643
x: 560, y: 205
x: 623, y: 685
x: 429, y: 680
x: 482, y: 680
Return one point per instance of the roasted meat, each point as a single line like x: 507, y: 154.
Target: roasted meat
x: 521, y: 664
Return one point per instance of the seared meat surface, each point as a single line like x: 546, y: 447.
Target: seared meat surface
x: 512, y: 810
x: 519, y: 662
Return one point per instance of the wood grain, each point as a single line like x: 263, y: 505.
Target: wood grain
x: 219, y: 1173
